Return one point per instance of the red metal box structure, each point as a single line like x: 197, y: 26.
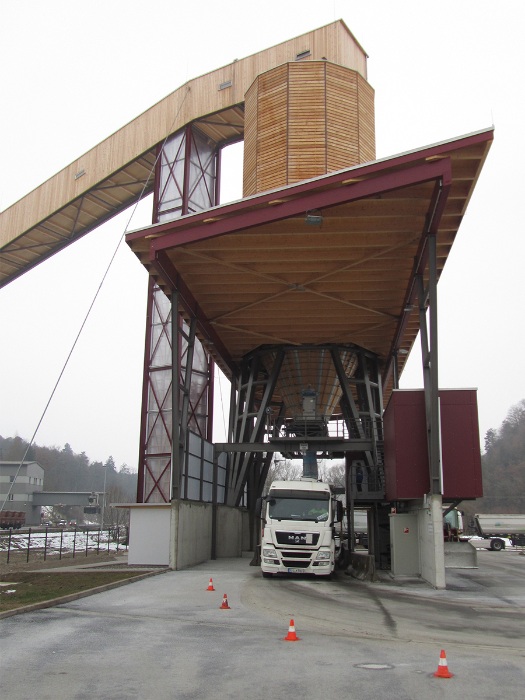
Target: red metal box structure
x: 406, y: 453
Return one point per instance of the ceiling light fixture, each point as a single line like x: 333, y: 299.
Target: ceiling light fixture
x: 314, y: 218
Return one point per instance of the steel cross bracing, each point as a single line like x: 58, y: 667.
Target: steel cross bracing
x: 362, y: 408
x: 186, y: 180
x: 155, y: 433
x: 254, y: 390
x: 184, y: 343
x: 263, y: 387
x: 186, y: 175
x: 175, y: 405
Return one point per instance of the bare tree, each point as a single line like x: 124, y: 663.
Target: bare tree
x: 332, y: 473
x: 283, y: 470
x: 288, y: 470
x: 113, y: 517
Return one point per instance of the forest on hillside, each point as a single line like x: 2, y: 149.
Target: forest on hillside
x: 64, y: 470
x: 503, y: 467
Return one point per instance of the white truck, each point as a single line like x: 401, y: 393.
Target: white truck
x: 360, y: 526
x: 497, y: 528
x: 298, y: 528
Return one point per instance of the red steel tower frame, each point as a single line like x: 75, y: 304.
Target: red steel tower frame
x: 187, y: 178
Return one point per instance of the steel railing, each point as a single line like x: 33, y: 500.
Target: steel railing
x: 52, y: 542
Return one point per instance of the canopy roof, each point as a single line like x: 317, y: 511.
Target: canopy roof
x: 261, y: 271
x: 117, y: 172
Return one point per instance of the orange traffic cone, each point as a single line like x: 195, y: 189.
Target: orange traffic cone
x: 224, y: 605
x: 291, y: 636
x: 442, y: 669
x: 210, y: 586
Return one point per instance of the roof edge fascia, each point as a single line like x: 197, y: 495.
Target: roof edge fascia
x: 298, y: 188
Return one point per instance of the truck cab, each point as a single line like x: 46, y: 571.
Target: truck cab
x: 298, y: 533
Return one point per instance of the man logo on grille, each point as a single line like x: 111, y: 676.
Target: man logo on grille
x: 296, y: 539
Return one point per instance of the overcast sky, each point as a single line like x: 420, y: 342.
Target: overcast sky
x: 75, y: 72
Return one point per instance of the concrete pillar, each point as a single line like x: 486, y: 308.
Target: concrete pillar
x: 431, y: 541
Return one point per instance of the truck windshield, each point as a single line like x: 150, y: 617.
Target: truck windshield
x: 313, y: 509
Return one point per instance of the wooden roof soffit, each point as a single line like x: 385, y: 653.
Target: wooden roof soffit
x: 117, y: 172
x: 451, y: 168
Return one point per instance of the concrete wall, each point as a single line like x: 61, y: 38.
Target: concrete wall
x: 179, y: 534
x: 460, y: 555
x: 191, y: 528
x: 246, y: 531
x: 230, y: 531
x: 362, y: 566
x: 431, y: 544
x: 423, y: 554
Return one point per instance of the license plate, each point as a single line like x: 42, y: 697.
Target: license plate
x: 296, y: 571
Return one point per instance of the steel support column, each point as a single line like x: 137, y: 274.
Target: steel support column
x: 177, y: 448
x: 427, y: 300
x: 255, y: 390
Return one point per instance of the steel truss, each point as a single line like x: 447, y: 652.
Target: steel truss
x: 178, y: 373
x: 250, y: 405
x: 260, y: 423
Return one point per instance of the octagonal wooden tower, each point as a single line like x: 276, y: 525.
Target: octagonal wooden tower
x: 306, y: 119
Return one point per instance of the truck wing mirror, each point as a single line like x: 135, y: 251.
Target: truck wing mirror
x: 339, y: 512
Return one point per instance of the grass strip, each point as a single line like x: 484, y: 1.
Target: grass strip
x: 28, y: 588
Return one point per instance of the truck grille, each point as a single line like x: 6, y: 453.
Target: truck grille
x: 297, y: 538
x: 295, y: 564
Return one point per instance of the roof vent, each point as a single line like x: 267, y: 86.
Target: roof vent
x: 303, y: 54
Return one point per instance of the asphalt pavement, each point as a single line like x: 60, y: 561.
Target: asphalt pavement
x: 168, y: 636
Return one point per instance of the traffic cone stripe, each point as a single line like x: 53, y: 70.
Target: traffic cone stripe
x: 291, y: 636
x: 442, y: 669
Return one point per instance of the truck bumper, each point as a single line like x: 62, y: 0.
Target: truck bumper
x: 323, y: 567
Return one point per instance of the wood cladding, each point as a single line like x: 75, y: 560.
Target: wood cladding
x: 192, y: 102
x: 305, y: 119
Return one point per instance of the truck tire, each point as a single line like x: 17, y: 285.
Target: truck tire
x: 497, y: 545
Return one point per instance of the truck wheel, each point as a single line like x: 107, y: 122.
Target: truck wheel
x: 267, y: 574
x: 497, y: 545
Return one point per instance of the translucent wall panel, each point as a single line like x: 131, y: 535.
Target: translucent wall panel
x: 186, y: 179
x: 171, y: 177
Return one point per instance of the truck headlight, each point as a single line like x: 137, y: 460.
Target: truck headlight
x: 269, y: 552
x: 323, y: 554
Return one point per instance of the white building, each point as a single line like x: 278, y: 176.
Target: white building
x: 17, y: 486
